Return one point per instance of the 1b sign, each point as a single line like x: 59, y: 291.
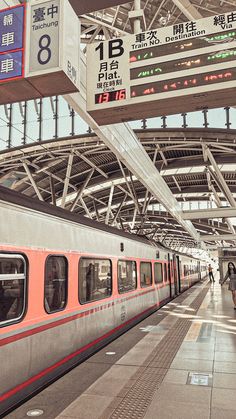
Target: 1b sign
x: 53, y: 45
x: 108, y: 80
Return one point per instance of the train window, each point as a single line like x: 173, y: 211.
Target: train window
x: 95, y: 279
x: 127, y: 276
x: 56, y: 283
x: 187, y: 270
x: 158, y: 276
x: 12, y: 288
x: 145, y: 274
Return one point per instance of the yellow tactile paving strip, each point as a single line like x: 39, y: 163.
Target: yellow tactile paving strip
x: 127, y: 389
x: 193, y: 332
x: 138, y: 398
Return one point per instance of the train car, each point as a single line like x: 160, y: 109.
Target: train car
x: 68, y: 286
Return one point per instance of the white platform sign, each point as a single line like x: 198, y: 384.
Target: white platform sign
x: 53, y: 45
x: 70, y: 54
x: 180, y: 68
x: 44, y: 36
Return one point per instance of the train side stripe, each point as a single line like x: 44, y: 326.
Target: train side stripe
x: 52, y: 324
x: 31, y: 380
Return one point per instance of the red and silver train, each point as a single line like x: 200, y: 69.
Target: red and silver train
x: 68, y: 286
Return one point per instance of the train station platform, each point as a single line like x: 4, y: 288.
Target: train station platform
x: 180, y: 363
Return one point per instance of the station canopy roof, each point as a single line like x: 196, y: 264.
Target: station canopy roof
x: 157, y: 13
x: 82, y: 174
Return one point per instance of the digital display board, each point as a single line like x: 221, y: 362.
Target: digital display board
x: 184, y: 63
x: 218, y: 39
x: 110, y: 96
x: 184, y: 83
x: 188, y: 62
x: 12, y: 24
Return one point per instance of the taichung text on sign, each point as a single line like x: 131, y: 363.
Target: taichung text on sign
x: 12, y: 43
x: 181, y: 68
x: 39, y: 50
x: 53, y: 45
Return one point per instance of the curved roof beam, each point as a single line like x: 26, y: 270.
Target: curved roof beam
x: 187, y: 9
x: 211, y: 213
x: 85, y: 6
x: 216, y: 237
x: 121, y: 139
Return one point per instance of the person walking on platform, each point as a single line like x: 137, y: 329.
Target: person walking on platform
x: 210, y: 273
x: 231, y: 274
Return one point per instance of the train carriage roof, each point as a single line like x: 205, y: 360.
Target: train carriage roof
x: 16, y: 198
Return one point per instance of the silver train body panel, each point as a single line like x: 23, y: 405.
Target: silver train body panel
x: 36, y: 353
x: 48, y: 232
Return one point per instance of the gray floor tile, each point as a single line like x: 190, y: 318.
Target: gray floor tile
x: 112, y: 382
x: 178, y: 410
x: 224, y: 399
x: 136, y: 356
x: 228, y: 367
x: 176, y: 376
x: 198, y: 346
x: 192, y: 365
x: 183, y: 393
x: 225, y: 356
x: 86, y: 406
x: 50, y: 409
x: 225, y: 347
x: 221, y: 380
x: 187, y: 354
x: 222, y: 414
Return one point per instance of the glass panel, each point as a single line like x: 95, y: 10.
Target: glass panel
x: 127, y: 276
x: 158, y: 273
x: 165, y: 272
x: 146, y: 274
x: 12, y: 287
x: 95, y: 279
x: 56, y: 278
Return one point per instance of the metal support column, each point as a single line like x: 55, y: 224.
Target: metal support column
x: 67, y: 179
x: 39, y: 111
x: 137, y: 25
x: 164, y: 123
x: 184, y: 116
x: 56, y: 117
x: 8, y: 113
x: 80, y: 192
x: 220, y: 177
x: 72, y: 116
x: 33, y: 183
x: 109, y: 204
x: 205, y: 123
x: 228, y: 123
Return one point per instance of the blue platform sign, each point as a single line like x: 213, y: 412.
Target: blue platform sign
x: 12, y: 43
x: 11, y: 65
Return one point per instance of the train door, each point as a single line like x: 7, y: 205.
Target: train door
x: 178, y: 273
x: 175, y: 275
x: 199, y: 270
x: 171, y: 276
